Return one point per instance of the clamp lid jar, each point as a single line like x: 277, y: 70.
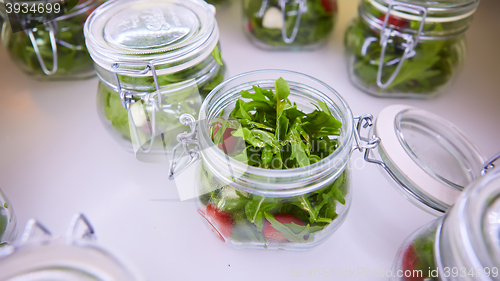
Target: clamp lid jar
x: 421, y: 45
x: 289, y: 24
x: 40, y: 256
x: 54, y: 50
x: 156, y: 60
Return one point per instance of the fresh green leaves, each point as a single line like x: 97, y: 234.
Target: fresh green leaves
x: 217, y: 55
x: 279, y: 134
x: 430, y: 66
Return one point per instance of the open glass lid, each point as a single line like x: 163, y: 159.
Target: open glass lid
x: 428, y: 157
x: 41, y: 257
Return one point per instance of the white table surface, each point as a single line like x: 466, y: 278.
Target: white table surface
x: 56, y: 159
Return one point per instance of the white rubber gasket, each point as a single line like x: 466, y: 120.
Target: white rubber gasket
x: 411, y: 171
x: 398, y: 14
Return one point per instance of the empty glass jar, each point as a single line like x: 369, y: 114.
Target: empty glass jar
x: 462, y: 245
x: 407, y: 49
x: 289, y: 24
x: 156, y: 60
x: 55, y: 50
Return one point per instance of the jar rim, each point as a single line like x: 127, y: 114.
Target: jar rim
x: 336, y: 161
x: 452, y: 11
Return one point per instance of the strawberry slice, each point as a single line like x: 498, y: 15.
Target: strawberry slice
x: 220, y: 221
x: 330, y: 6
x: 410, y: 260
x: 229, y: 142
x: 395, y: 21
x: 274, y: 235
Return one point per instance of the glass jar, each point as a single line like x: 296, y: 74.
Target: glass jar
x: 55, y: 50
x: 289, y: 25
x: 421, y: 44
x: 254, y: 207
x: 39, y: 256
x: 462, y: 245
x: 8, y: 221
x: 155, y: 60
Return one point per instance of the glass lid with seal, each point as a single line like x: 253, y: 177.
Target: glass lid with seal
x: 150, y: 30
x: 448, y: 10
x: 39, y: 256
x: 429, y: 158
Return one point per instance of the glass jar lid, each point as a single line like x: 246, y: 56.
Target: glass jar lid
x: 177, y: 32
x: 430, y: 158
x: 435, y: 11
x: 41, y: 257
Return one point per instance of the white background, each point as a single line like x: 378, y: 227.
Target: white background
x: 56, y: 159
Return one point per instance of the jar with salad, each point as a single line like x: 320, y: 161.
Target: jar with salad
x: 156, y: 60
x: 462, y: 245
x: 54, y: 50
x: 8, y: 221
x: 289, y: 24
x: 408, y: 48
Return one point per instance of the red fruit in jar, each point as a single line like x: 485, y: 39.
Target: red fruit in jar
x: 250, y: 26
x: 410, y: 260
x: 274, y: 235
x: 220, y: 221
x: 398, y: 22
x: 229, y: 142
x: 330, y: 6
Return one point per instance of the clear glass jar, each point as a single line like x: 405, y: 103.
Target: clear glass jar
x: 289, y: 25
x: 55, y: 50
x: 156, y: 60
x: 462, y: 245
x: 8, y: 221
x: 39, y: 256
x: 252, y: 207
x: 422, y: 45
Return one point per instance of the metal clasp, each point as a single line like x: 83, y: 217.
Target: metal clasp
x: 52, y: 27
x: 30, y: 230
x: 366, y: 145
x: 149, y: 98
x: 73, y: 233
x: 488, y: 166
x: 188, y: 143
x: 410, y: 44
x: 282, y: 3
x: 301, y: 9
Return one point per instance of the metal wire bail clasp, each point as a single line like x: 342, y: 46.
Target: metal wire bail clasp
x: 149, y: 98
x: 366, y: 145
x: 411, y: 40
x: 52, y: 27
x: 300, y: 10
x: 188, y: 143
x: 488, y: 166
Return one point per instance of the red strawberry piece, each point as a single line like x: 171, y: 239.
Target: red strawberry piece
x: 274, y: 235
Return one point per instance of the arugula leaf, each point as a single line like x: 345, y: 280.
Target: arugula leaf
x: 217, y: 55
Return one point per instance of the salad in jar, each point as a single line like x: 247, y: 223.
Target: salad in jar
x: 73, y: 60
x: 267, y: 130
x: 296, y: 24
